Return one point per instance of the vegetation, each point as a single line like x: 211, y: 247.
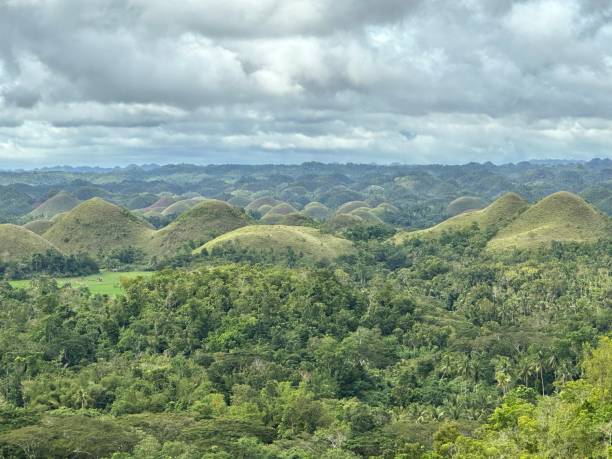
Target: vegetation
x: 97, y: 225
x: 17, y: 243
x: 280, y: 241
x: 464, y: 204
x: 103, y: 283
x: 58, y: 203
x: 560, y: 217
x: 334, y: 333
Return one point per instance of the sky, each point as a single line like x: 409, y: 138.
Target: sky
x: 110, y: 82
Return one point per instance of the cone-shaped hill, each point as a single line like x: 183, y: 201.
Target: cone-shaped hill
x: 39, y: 226
x: 464, y: 204
x: 279, y: 240
x: 207, y: 220
x: 498, y: 214
x: 561, y: 216
x: 61, y: 202
x: 98, y: 226
x: 18, y: 243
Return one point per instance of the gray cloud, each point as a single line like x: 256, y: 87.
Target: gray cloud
x: 292, y: 80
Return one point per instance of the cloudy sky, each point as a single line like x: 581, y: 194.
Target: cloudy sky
x: 110, y: 82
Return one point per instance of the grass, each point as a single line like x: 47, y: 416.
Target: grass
x: 95, y: 225
x: 207, y: 220
x: 17, y: 243
x: 105, y: 283
x: 278, y: 238
x: 559, y: 217
x: 61, y: 202
x: 464, y: 204
x: 498, y: 214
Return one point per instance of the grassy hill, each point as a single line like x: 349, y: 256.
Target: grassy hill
x: 204, y: 222
x: 17, y: 243
x: 278, y: 239
x: 350, y: 206
x: 39, y: 226
x: 498, y: 214
x: 317, y: 211
x: 464, y: 204
x: 366, y: 214
x: 182, y: 206
x: 561, y: 216
x: 61, y: 202
x: 277, y: 213
x: 98, y: 226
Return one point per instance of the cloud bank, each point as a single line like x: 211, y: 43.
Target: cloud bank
x: 255, y: 81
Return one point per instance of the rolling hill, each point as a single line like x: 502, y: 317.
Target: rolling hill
x: 497, y: 214
x: 464, y: 204
x: 207, y: 220
x: 279, y: 239
x: 97, y: 225
x: 61, y: 202
x: 17, y: 243
x: 39, y: 226
x: 561, y: 216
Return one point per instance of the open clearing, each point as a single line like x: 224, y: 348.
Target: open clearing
x: 105, y: 283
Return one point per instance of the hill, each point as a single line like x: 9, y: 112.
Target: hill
x: 61, y: 202
x: 39, y: 226
x: 279, y: 239
x: 497, y: 214
x: 464, y: 204
x: 317, y: 211
x: 561, y: 216
x: 182, y: 206
x: 17, y: 243
x: 204, y: 222
x: 97, y: 226
x: 277, y: 213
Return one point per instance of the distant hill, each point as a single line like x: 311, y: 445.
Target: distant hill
x: 17, y: 243
x: 278, y: 212
x: 317, y: 211
x: 498, y: 214
x: 182, y: 206
x: 39, y: 226
x: 204, y: 222
x: 561, y: 216
x: 464, y: 204
x: 97, y: 225
x: 279, y: 239
x: 61, y: 202
x: 348, y: 207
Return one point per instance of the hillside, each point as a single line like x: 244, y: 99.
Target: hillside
x: 561, y: 216
x: 182, y: 206
x: 499, y: 213
x: 17, y: 243
x: 464, y: 204
x: 39, y: 226
x: 61, y: 202
x: 98, y: 226
x: 204, y: 222
x: 279, y: 239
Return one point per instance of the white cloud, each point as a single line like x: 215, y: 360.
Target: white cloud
x: 290, y: 80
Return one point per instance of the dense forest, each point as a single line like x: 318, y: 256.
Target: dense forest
x: 434, y: 349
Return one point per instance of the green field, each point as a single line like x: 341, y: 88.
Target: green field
x: 105, y: 283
